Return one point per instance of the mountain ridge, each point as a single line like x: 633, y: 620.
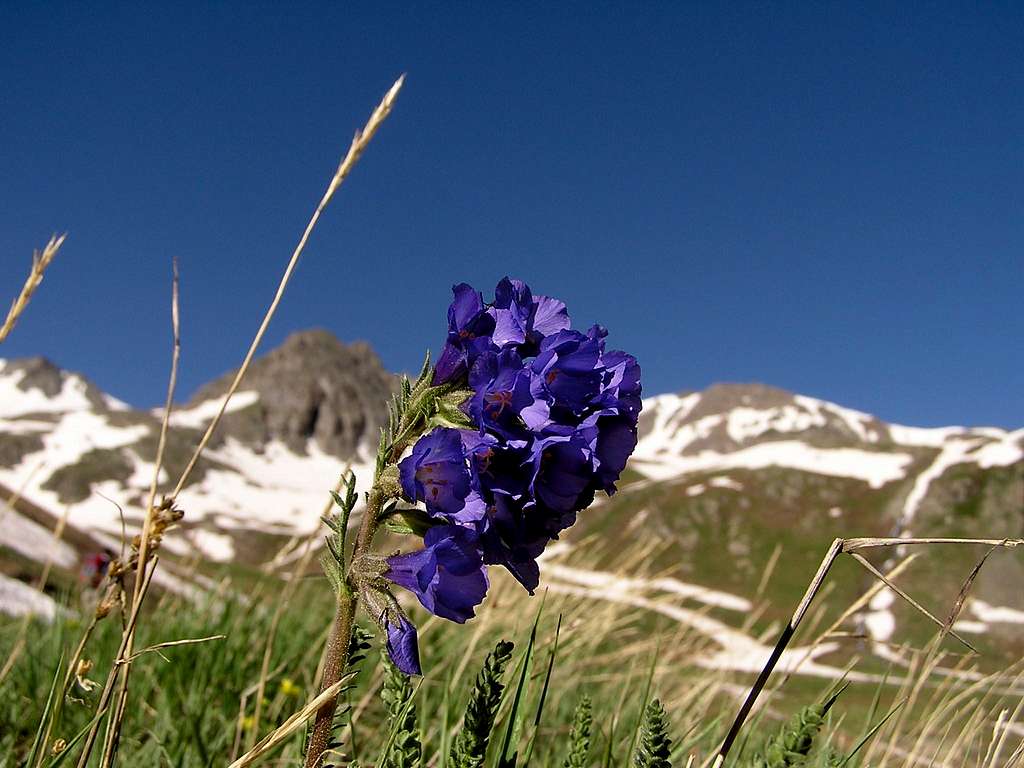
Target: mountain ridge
x: 728, y: 468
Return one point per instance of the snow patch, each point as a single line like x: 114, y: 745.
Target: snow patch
x: 19, y: 599
x: 993, y: 614
x: 746, y: 423
x: 613, y: 583
x: 952, y: 453
x: 970, y: 627
x: 15, y: 401
x: 1003, y: 452
x: 924, y: 437
x: 200, y: 415
x: 873, y: 467
x: 34, y: 541
x: 879, y: 621
x: 725, y: 481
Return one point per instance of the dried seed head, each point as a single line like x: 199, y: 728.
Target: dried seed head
x: 106, y: 605
x: 87, y: 685
x: 59, y: 745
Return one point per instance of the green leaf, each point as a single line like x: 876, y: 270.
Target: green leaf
x: 543, y: 693
x: 66, y: 752
x: 405, y: 749
x: 51, y: 700
x: 410, y: 521
x: 645, y: 697
x: 507, y: 757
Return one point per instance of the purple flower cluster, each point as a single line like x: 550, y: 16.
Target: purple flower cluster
x: 555, y: 418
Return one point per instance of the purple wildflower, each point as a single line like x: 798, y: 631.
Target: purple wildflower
x: 403, y: 645
x: 447, y: 575
x: 469, y: 333
x: 436, y: 473
x: 555, y: 418
x: 522, y: 320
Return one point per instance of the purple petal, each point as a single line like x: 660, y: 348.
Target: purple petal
x: 448, y: 575
x: 465, y: 307
x: 550, y: 316
x: 403, y: 646
x: 451, y: 365
x: 513, y: 305
x: 616, y: 439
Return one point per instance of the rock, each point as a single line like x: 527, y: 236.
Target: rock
x: 311, y: 387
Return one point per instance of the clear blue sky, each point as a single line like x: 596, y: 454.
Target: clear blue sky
x: 829, y: 199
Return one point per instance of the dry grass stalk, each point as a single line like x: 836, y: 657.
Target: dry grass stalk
x: 169, y: 644
x: 854, y: 607
x: 289, y: 726
x: 359, y: 143
x: 108, y: 688
x: 282, y: 601
x: 920, y: 608
x: 145, y: 541
x: 40, y: 261
x: 114, y: 727
x: 172, y: 384
x: 838, y: 547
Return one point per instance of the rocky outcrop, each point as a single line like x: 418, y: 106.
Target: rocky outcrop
x: 312, y: 387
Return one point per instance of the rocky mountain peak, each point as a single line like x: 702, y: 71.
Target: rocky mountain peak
x: 311, y: 387
x: 724, y: 397
x: 37, y: 373
x: 48, y: 387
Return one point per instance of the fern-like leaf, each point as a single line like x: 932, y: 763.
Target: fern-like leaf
x: 655, y: 744
x: 792, y: 744
x: 406, y: 750
x: 579, y: 739
x: 470, y: 747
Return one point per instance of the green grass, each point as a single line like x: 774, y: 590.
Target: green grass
x: 192, y: 705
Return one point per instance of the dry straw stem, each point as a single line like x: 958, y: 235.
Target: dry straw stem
x: 286, y: 594
x: 838, y: 547
x: 356, y: 149
x: 292, y: 724
x: 359, y: 143
x: 40, y: 261
x: 169, y: 644
x: 114, y: 726
x: 108, y: 688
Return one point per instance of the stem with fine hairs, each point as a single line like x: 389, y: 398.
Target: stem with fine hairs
x: 336, y: 651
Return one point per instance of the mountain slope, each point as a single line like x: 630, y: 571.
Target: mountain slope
x: 724, y: 484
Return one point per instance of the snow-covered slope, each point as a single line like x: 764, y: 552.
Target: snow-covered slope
x: 753, y: 427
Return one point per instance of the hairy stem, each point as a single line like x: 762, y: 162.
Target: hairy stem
x: 336, y: 652
x: 334, y: 667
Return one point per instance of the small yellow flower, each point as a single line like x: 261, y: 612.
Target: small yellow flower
x: 248, y: 722
x: 289, y: 688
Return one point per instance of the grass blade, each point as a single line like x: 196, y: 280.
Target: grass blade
x: 37, y: 742
x: 505, y: 760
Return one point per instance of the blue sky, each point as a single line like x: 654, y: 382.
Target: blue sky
x: 828, y: 199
